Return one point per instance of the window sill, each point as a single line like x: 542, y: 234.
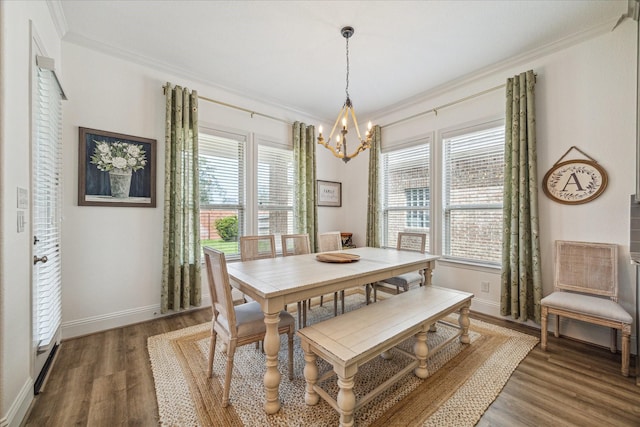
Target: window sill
x: 470, y: 265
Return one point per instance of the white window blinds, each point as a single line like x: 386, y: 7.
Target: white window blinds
x: 275, y: 191
x: 47, y: 201
x: 472, y: 200
x: 222, y: 189
x: 406, y: 192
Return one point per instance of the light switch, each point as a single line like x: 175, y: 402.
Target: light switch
x: 20, y: 221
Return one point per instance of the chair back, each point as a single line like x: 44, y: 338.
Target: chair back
x: 331, y: 241
x: 219, y: 287
x: 415, y: 242
x: 295, y: 244
x: 585, y: 267
x: 257, y: 247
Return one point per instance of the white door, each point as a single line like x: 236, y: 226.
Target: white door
x: 46, y: 191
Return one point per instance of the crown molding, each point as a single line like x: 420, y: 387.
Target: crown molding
x: 57, y: 14
x: 555, y: 46
x: 498, y: 67
x: 135, y: 58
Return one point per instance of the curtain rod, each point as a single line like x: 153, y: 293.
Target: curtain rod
x: 433, y: 110
x: 449, y: 104
x: 225, y: 104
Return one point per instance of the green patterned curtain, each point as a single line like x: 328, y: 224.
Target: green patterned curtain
x: 373, y: 211
x: 304, y: 158
x: 521, y: 288
x: 181, y: 285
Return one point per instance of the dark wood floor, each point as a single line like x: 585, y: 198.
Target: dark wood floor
x: 105, y: 379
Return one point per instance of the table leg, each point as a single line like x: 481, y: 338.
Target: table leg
x: 421, y: 350
x: 463, y: 321
x: 428, y: 273
x: 272, y: 374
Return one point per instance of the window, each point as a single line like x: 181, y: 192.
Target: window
x: 417, y: 197
x: 472, y: 195
x: 405, y: 192
x: 230, y: 164
x: 222, y: 190
x: 275, y: 191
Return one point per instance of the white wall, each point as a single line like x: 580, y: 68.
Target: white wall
x: 585, y: 96
x: 112, y: 255
x: 16, y: 376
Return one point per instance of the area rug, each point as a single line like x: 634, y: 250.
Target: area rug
x: 464, y: 380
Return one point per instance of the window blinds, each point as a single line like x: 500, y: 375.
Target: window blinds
x: 405, y: 192
x: 473, y: 187
x: 222, y: 184
x: 275, y: 191
x: 47, y: 201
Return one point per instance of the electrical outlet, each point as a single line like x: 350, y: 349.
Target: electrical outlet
x: 484, y: 286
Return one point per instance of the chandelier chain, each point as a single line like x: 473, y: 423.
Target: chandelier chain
x: 347, y: 87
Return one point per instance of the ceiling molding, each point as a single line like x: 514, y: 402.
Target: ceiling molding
x: 553, y: 47
x: 57, y: 14
x: 138, y: 59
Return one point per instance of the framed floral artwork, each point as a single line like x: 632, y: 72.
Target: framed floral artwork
x: 116, y: 169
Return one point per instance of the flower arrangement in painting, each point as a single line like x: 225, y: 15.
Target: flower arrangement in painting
x: 118, y: 156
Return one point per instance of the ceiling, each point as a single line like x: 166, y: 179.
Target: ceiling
x: 291, y: 53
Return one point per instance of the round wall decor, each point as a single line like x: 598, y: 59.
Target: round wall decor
x: 575, y: 181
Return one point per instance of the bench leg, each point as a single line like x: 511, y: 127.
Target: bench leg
x: 463, y: 321
x: 543, y: 327
x: 421, y: 350
x: 310, y: 375
x: 346, y: 401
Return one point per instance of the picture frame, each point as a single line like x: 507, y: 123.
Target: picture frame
x: 116, y: 169
x: 329, y: 193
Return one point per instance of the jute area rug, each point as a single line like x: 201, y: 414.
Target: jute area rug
x: 464, y: 380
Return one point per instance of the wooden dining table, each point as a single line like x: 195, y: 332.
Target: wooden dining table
x: 275, y: 282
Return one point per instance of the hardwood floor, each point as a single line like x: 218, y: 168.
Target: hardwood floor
x: 105, y: 379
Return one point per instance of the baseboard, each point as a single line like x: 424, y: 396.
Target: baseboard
x: 93, y: 324
x: 20, y: 406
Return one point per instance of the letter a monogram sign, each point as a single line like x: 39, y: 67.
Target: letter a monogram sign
x: 575, y: 181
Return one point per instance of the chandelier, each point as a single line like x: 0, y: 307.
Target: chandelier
x: 340, y: 148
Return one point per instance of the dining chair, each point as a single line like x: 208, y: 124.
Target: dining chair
x: 257, y: 247
x: 236, y: 325
x: 327, y: 242
x: 586, y: 289
x: 415, y: 242
x: 298, y: 244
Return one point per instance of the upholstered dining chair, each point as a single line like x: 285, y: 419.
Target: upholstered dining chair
x: 415, y: 242
x: 297, y: 244
x: 327, y: 242
x: 586, y: 289
x: 236, y: 325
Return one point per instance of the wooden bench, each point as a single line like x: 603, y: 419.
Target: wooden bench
x: 352, y: 339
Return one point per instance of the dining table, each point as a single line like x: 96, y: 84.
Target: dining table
x: 276, y: 282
